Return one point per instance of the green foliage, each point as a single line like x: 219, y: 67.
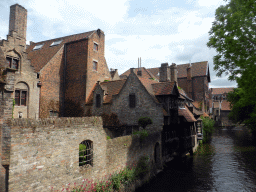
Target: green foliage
x: 233, y: 36
x: 144, y: 121
x: 208, y: 128
x: 82, y: 147
x: 106, y: 80
x: 143, y: 134
x: 142, y: 167
x: 108, y: 137
x: 243, y: 108
x: 179, y: 87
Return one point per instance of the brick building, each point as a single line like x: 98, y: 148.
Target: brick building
x: 220, y: 107
x: 193, y: 78
x: 56, y: 75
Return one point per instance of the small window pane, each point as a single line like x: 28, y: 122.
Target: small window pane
x: 15, y: 64
x: 98, y: 100
x: 95, y: 47
x: 23, y: 98
x: 38, y: 46
x: 56, y: 43
x: 9, y: 62
x: 17, y: 97
x: 95, y: 65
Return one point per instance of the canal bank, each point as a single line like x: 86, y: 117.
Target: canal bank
x: 227, y: 163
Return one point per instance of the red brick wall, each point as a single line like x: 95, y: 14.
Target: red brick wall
x: 102, y: 72
x: 51, y: 78
x: 75, y: 78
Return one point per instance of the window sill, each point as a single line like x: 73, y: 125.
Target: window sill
x: 20, y: 106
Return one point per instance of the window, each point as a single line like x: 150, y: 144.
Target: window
x: 38, y: 46
x: 54, y: 113
x: 12, y: 62
x: 132, y: 101
x: 98, y: 101
x: 56, y: 43
x: 20, y: 97
x: 86, y: 153
x: 95, y: 65
x: 95, y: 47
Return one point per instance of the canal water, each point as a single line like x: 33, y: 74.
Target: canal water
x: 227, y: 163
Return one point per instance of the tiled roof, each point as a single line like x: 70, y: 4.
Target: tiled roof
x: 163, y: 88
x: 196, y: 104
x: 185, y: 112
x: 216, y: 104
x: 198, y: 69
x: 148, y: 84
x: 183, y: 94
x: 225, y: 105
x: 216, y: 91
x: 205, y: 115
x: 144, y: 73
x: 111, y: 88
x: 40, y: 57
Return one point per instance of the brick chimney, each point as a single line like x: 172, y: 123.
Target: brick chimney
x: 189, y: 81
x: 173, y: 69
x: 164, y: 71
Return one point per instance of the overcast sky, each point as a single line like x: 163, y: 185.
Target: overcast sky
x: 158, y: 31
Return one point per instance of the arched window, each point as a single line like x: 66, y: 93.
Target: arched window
x: 86, y: 153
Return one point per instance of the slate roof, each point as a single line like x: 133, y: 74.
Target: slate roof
x: 216, y: 91
x: 40, y: 57
x: 225, y: 106
x: 187, y: 114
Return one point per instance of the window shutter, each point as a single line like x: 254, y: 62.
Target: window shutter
x: 17, y: 97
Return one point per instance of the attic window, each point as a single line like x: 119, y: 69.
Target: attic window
x: 95, y: 65
x: 38, y: 46
x: 96, y: 46
x: 56, y: 43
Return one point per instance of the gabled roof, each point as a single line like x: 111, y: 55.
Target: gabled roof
x: 163, y: 88
x: 185, y: 112
x: 217, y: 91
x: 144, y: 73
x: 183, y: 95
x: 111, y: 88
x: 225, y: 105
x: 198, y: 69
x: 40, y: 57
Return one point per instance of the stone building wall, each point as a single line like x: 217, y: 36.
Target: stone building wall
x: 45, y: 153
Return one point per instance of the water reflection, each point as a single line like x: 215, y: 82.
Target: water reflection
x: 228, y: 163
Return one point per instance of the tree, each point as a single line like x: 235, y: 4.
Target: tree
x: 233, y: 36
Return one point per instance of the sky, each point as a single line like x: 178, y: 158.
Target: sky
x: 158, y: 31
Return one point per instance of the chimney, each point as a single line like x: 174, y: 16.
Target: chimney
x: 189, y: 72
x: 18, y: 21
x: 164, y: 72
x: 173, y: 69
x: 131, y: 70
x: 139, y: 72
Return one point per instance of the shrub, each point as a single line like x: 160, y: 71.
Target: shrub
x: 142, y: 167
x: 144, y: 121
x: 82, y: 147
x: 208, y: 128
x: 108, y: 137
x: 143, y: 134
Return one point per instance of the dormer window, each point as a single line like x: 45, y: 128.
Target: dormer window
x: 95, y: 47
x: 38, y: 47
x: 56, y: 43
x: 12, y: 62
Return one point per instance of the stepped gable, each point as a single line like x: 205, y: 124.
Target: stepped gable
x: 185, y: 112
x: 40, y: 57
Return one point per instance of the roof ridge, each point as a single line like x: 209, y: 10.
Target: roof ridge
x: 63, y: 37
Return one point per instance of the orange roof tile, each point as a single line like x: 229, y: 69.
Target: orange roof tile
x: 216, y: 91
x: 163, y: 88
x: 185, y: 112
x: 225, y: 105
x: 144, y: 73
x: 39, y: 58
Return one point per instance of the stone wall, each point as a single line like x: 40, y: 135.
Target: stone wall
x: 45, y: 153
